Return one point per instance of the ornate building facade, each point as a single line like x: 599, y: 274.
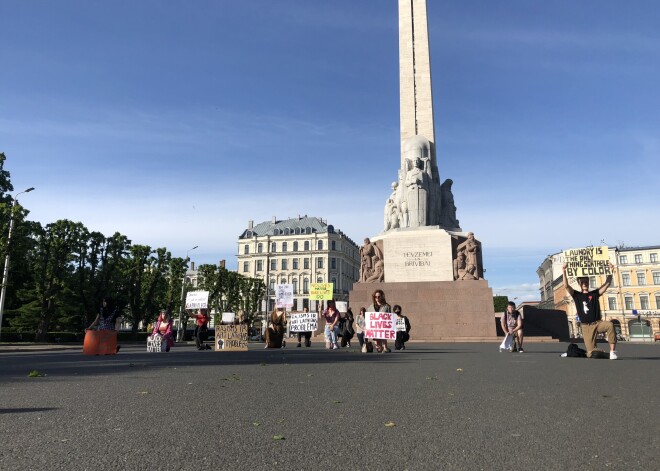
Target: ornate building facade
x: 634, y: 294
x: 298, y: 251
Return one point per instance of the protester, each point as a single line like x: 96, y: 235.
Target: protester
x: 106, y: 319
x: 512, y: 324
x: 347, y: 331
x: 360, y: 326
x: 276, y: 329
x: 331, y: 316
x: 307, y: 335
x: 380, y: 305
x: 163, y: 327
x: 587, y: 304
x: 201, y: 329
x: 401, y: 336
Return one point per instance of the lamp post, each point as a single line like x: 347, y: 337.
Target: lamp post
x: 5, y: 274
x: 180, y: 331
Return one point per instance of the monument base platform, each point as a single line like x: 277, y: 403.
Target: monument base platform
x: 437, y: 310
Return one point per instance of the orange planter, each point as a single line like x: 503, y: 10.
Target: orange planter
x: 100, y: 342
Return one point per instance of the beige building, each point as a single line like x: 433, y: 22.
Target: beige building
x: 634, y: 293
x: 299, y: 251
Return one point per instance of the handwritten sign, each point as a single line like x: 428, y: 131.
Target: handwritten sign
x: 231, y: 337
x: 380, y: 325
x: 400, y: 324
x: 342, y: 306
x: 303, y: 322
x: 587, y: 261
x: 321, y: 291
x: 284, y: 295
x: 228, y: 317
x: 197, y: 300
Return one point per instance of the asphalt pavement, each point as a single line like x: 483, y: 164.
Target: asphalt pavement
x: 433, y: 406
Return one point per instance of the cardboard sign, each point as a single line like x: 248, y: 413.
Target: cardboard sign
x: 231, y: 337
x: 400, y: 324
x: 380, y: 325
x: 228, y: 317
x: 303, y: 322
x: 342, y: 306
x: 284, y: 295
x: 197, y: 300
x: 321, y: 291
x: 587, y: 261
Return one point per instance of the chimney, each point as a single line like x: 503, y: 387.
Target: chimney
x: 274, y: 219
x: 250, y: 224
x: 192, y: 266
x: 222, y: 264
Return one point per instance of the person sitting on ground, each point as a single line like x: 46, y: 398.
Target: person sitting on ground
x: 380, y: 305
x: 276, y: 329
x: 401, y: 336
x: 587, y: 305
x: 201, y: 329
x: 163, y: 327
x: 512, y: 324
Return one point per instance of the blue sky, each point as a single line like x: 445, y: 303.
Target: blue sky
x: 175, y: 122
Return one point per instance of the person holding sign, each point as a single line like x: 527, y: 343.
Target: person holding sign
x: 402, y: 336
x: 588, y: 309
x: 307, y: 334
x: 276, y: 329
x: 163, y: 328
x: 331, y: 316
x: 380, y: 305
x: 201, y: 329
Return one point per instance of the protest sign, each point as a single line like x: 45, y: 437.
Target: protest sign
x: 400, y: 324
x: 380, y: 325
x: 321, y: 291
x: 231, y: 337
x: 284, y: 295
x: 197, y: 300
x: 303, y: 322
x: 228, y: 317
x: 342, y: 306
x: 587, y: 261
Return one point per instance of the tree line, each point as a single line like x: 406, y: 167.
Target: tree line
x: 60, y: 272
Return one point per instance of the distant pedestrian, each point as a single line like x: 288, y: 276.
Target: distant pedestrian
x: 402, y: 336
x: 331, y: 316
x: 587, y: 304
x: 512, y: 324
x: 380, y: 305
x: 201, y: 329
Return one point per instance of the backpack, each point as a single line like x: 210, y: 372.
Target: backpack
x: 574, y: 351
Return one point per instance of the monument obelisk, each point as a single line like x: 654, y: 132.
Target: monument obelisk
x: 422, y: 259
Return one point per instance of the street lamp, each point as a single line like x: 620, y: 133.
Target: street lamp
x: 5, y: 274
x: 180, y: 331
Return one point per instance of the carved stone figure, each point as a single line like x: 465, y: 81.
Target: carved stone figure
x: 466, y: 263
x: 379, y: 272
x: 370, y: 255
x: 448, y: 212
x: 417, y: 194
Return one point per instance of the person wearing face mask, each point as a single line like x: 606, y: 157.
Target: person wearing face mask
x: 401, y: 336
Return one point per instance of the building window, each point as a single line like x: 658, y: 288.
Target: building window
x: 333, y: 244
x: 260, y: 247
x: 644, y: 301
x: 319, y: 279
x: 334, y: 283
x: 273, y: 247
x: 295, y: 246
x: 592, y: 282
x: 625, y: 279
x: 656, y: 277
x: 654, y: 257
x: 246, y: 266
x: 295, y: 286
x: 306, y: 263
x: 285, y: 264
x: 295, y: 263
x: 641, y: 278
x: 306, y: 286
x: 260, y: 265
x: 629, y: 303
x: 284, y: 246
x: 623, y: 259
x: 638, y: 258
x: 273, y: 264
x: 320, y: 245
x: 271, y: 285
x: 306, y: 245
x: 246, y: 249
x: 611, y: 304
x: 333, y: 263
x: 319, y: 262
x: 657, y: 301
x: 283, y: 281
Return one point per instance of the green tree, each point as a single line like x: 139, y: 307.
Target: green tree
x: 500, y: 302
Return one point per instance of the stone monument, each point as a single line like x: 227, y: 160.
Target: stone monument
x: 422, y: 259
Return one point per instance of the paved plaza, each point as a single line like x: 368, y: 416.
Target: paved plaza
x: 434, y: 406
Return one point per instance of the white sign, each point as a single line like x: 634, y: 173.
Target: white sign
x: 342, y: 306
x: 380, y: 325
x: 228, y: 317
x: 400, y: 324
x: 197, y: 300
x: 284, y: 295
x: 303, y: 322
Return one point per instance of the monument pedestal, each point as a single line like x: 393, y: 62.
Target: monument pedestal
x: 438, y: 310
